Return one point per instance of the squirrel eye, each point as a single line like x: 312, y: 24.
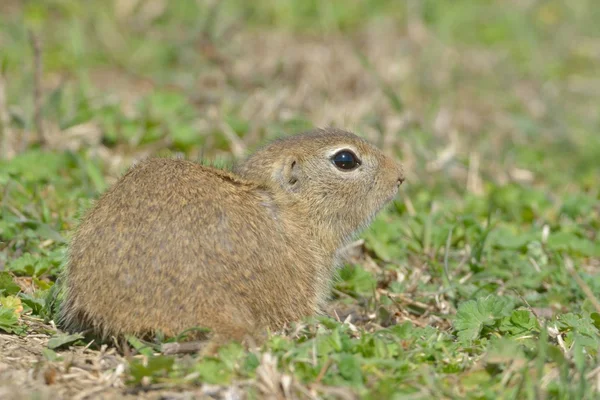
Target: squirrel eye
x: 345, y: 160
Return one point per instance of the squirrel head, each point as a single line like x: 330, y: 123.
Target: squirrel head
x: 340, y: 180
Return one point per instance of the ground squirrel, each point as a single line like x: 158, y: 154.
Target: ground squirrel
x: 175, y: 244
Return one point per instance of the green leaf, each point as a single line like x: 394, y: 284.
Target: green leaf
x: 579, y: 352
x: 382, y: 238
x: 520, y: 322
x: 53, y: 299
x: 355, y: 279
x: 349, y: 367
x: 578, y: 324
x: 12, y: 302
x: 23, y: 265
x: 7, y: 285
x: 9, y: 227
x: 596, y: 319
x: 565, y: 241
x: 155, y: 367
x: 524, y: 319
x: 502, y: 350
x: 96, y: 176
x: 213, y: 371
x: 50, y: 355
x: 231, y: 354
x: 47, y: 232
x: 37, y: 304
x: 30, y: 265
x: 184, y: 136
x: 140, y: 346
x: 334, y: 342
x: 473, y: 315
x: 504, y: 237
x: 36, y: 165
x: 9, y: 321
x: 43, y: 285
x: 61, y: 340
x: 576, y: 205
x: 327, y: 322
x: 250, y: 363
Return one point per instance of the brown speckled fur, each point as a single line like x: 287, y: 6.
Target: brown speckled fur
x: 174, y: 244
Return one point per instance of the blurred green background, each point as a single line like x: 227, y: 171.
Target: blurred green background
x: 511, y: 81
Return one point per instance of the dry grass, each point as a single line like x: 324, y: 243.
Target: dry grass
x: 82, y: 373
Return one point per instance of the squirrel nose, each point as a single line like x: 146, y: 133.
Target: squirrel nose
x: 401, y: 177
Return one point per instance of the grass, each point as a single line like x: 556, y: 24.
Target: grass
x: 481, y: 281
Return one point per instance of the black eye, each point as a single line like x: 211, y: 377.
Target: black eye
x: 345, y: 160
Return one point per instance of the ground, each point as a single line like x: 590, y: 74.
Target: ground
x: 480, y: 281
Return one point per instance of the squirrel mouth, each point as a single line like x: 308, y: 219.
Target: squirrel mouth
x: 393, y: 195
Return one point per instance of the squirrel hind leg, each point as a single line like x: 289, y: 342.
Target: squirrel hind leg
x: 235, y: 324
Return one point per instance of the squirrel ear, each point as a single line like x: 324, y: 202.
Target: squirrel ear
x: 289, y: 175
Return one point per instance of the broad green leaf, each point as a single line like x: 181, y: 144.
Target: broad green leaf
x: 565, y: 241
x: 349, y: 367
x: 50, y: 355
x: 8, y: 285
x: 37, y: 304
x: 596, y: 319
x: 9, y: 320
x: 231, y: 354
x: 30, y: 265
x: 506, y: 238
x: 61, y: 340
x: 12, y: 302
x: 155, y: 366
x: 520, y: 322
x: 35, y: 165
x: 355, y: 279
x: 579, y: 324
x: 213, y: 371
x: 24, y: 265
x: 473, y: 315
